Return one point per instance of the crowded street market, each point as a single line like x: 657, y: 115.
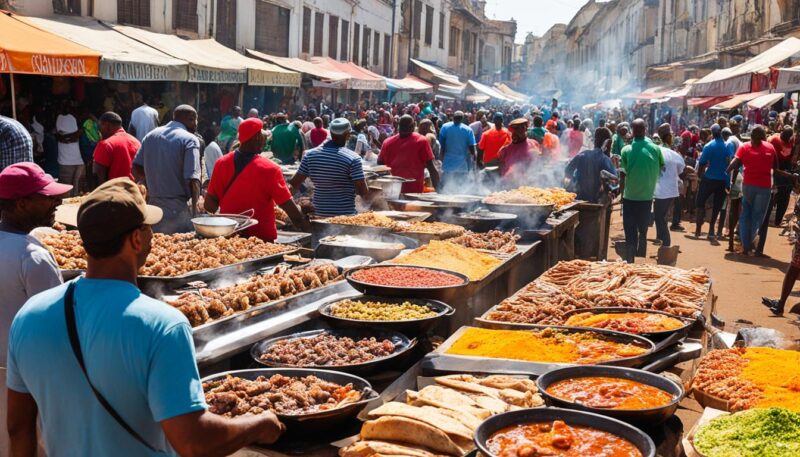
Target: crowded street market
x: 213, y: 250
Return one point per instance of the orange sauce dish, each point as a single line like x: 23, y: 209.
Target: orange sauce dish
x: 558, y: 438
x: 610, y: 393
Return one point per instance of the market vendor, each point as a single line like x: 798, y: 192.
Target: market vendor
x: 409, y: 154
x: 120, y: 376
x: 517, y: 157
x: 337, y: 174
x: 583, y: 171
x: 245, y: 180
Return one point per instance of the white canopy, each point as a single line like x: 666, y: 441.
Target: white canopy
x: 437, y: 72
x: 486, y: 90
x: 765, y: 100
x: 302, y: 66
x: 788, y: 79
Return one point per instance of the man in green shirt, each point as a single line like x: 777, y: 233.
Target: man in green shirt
x: 619, y: 139
x: 286, y: 140
x: 640, y: 166
x: 537, y: 132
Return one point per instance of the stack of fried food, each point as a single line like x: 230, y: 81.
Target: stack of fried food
x: 526, y: 195
x: 171, y: 255
x: 380, y: 221
x: 579, y: 284
x: 369, y: 218
x: 441, y: 419
x: 206, y: 304
x: 494, y: 240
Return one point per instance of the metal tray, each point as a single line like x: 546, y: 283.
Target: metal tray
x: 653, y: 336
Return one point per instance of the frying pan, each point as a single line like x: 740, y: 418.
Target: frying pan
x: 407, y: 327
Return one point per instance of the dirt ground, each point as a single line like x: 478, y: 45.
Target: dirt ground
x: 738, y: 282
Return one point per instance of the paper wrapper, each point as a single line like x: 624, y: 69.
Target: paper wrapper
x: 688, y: 440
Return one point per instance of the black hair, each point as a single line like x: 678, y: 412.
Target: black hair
x: 108, y: 248
x: 538, y: 121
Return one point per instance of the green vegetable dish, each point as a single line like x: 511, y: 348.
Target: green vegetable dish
x: 771, y: 432
x: 379, y: 311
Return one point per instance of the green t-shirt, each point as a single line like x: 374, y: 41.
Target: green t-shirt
x: 642, y: 161
x: 285, y: 138
x: 537, y: 133
x: 617, y: 144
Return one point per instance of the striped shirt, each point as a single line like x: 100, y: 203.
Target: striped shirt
x: 334, y: 171
x: 16, y: 144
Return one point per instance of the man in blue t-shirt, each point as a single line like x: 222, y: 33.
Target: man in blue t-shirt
x: 714, y: 179
x: 137, y: 354
x: 459, y: 159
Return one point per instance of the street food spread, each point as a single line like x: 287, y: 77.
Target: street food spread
x: 626, y: 322
x: 326, y: 350
x: 495, y: 240
x: 448, y: 256
x: 406, y: 277
x: 206, y: 304
x: 753, y: 377
x: 557, y: 438
x: 234, y: 396
x: 610, y: 393
x: 369, y: 218
x: 548, y: 345
x: 579, y: 284
x: 441, y: 229
x: 171, y: 255
x: 770, y: 432
x: 380, y: 311
x: 441, y: 419
x: 532, y: 196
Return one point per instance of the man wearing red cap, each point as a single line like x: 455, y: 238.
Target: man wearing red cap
x: 244, y: 180
x: 28, y: 199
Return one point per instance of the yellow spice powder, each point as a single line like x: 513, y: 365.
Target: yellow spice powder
x: 442, y: 254
x: 777, y: 373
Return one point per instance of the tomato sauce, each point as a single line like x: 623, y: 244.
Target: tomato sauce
x: 558, y: 439
x: 610, y: 393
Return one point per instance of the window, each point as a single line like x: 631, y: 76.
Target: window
x: 272, y: 29
x: 366, y: 36
x: 306, y: 30
x: 376, y: 49
x: 184, y: 15
x: 319, y: 19
x: 466, y: 38
x: 356, y: 42
x: 473, y: 47
x: 417, y: 18
x: 344, y: 46
x: 441, y: 30
x: 428, y: 25
x: 333, y: 35
x: 226, y: 23
x: 134, y: 12
x: 387, y: 54
x: 454, y: 32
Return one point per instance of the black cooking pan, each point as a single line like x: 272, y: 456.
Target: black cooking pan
x: 402, y: 345
x: 681, y: 332
x: 444, y: 293
x: 537, y: 415
x: 407, y: 327
x: 319, y: 421
x: 640, y: 418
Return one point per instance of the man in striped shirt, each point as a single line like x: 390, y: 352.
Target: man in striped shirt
x: 336, y: 172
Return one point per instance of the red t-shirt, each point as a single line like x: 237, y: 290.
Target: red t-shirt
x: 407, y: 158
x: 515, y: 158
x: 574, y: 142
x: 318, y: 136
x: 758, y: 163
x: 784, y: 150
x: 260, y: 186
x: 116, y: 153
x: 491, y: 142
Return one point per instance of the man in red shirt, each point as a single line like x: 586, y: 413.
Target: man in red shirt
x: 245, y: 180
x: 318, y: 134
x: 113, y: 155
x: 517, y: 157
x: 408, y: 154
x: 492, y: 140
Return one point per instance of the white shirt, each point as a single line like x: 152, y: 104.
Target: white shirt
x: 668, y: 181
x: 68, y: 153
x: 143, y: 119
x: 211, y: 154
x: 736, y: 142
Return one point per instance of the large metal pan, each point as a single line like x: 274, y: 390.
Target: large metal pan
x: 411, y: 327
x: 381, y: 247
x: 402, y: 344
x: 528, y: 215
x: 643, y: 417
x: 444, y: 293
x: 319, y: 421
x: 484, y: 221
x: 530, y: 416
x: 681, y: 332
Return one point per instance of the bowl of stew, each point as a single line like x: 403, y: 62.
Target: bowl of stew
x: 634, y: 396
x: 562, y: 432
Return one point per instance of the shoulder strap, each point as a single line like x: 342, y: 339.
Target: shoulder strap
x: 238, y: 167
x: 72, y: 330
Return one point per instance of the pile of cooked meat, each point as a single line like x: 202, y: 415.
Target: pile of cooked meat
x: 234, y: 396
x: 207, y: 304
x: 494, y: 240
x: 327, y: 350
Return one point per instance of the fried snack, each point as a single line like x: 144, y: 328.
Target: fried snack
x: 441, y: 229
x: 280, y: 215
x: 67, y: 249
x: 448, y: 256
x: 494, y: 240
x: 532, y: 196
x: 371, y: 219
x: 380, y: 311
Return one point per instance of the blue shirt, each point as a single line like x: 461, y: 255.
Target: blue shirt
x: 334, y: 171
x: 717, y: 155
x: 456, y: 140
x: 16, y: 144
x: 170, y: 156
x: 585, y: 170
x: 139, y: 354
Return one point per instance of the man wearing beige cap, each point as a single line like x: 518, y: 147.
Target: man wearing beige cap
x: 119, y: 376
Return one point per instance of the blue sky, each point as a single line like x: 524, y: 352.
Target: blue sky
x: 533, y: 15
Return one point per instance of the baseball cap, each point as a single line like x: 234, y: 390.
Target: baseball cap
x: 551, y: 124
x: 248, y: 128
x: 22, y: 179
x: 339, y: 126
x: 116, y: 207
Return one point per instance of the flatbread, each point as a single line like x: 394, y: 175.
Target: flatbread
x: 438, y: 399
x: 393, y: 428
x: 492, y: 404
x: 373, y: 447
x: 434, y: 418
x: 509, y: 382
x: 466, y: 419
x: 457, y: 382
